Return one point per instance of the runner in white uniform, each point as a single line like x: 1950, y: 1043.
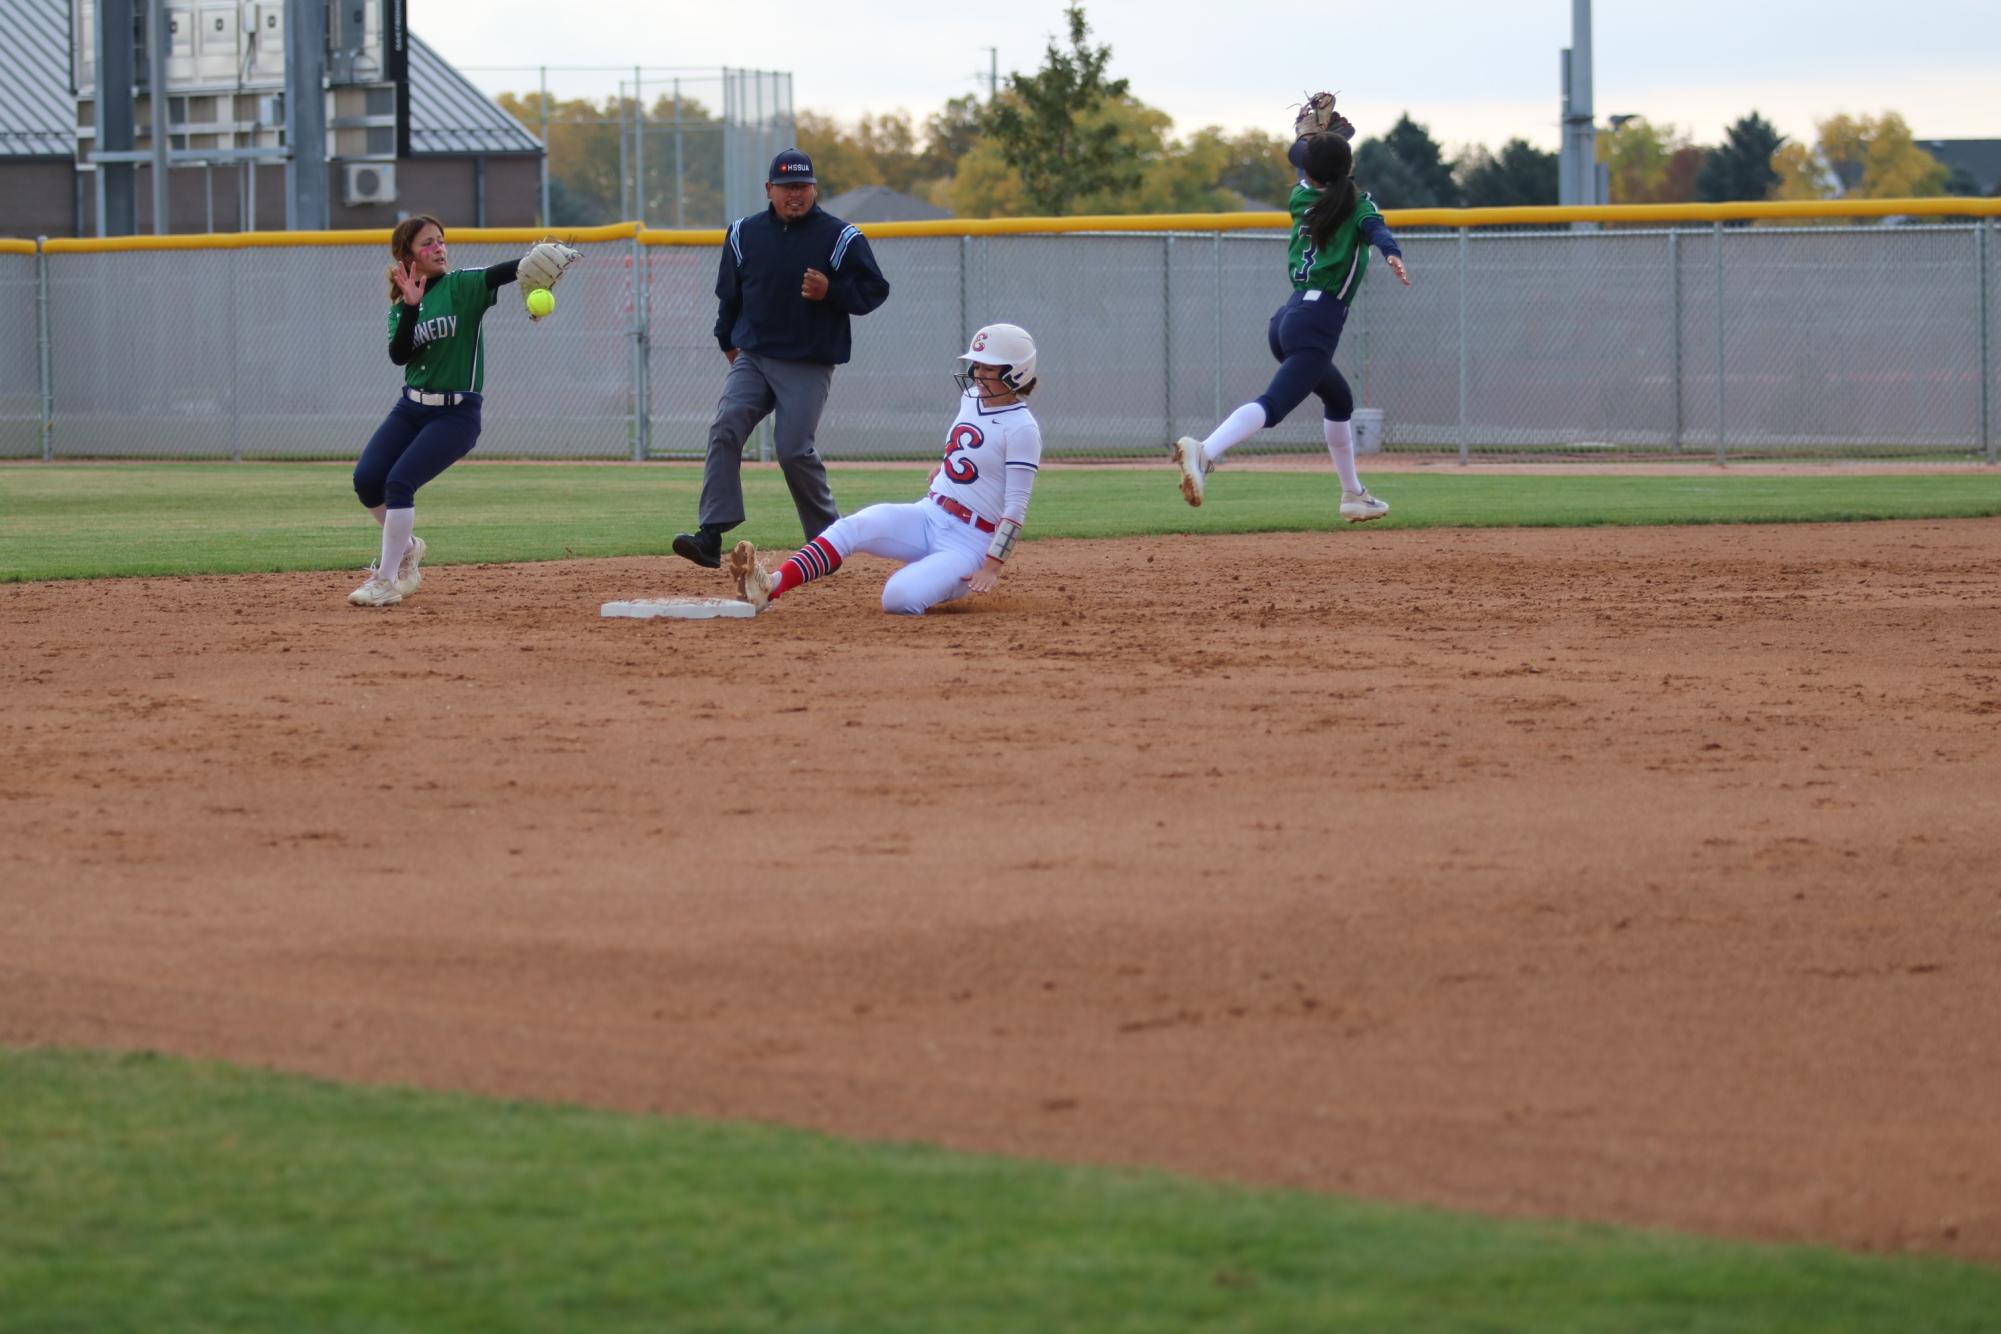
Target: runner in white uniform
x: 955, y: 540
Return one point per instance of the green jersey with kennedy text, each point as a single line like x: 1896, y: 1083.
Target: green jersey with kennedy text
x: 1339, y: 266
x: 450, y: 350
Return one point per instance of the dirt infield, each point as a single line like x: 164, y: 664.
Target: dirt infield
x: 1636, y: 875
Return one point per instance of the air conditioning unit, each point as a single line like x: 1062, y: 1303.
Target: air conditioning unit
x: 369, y: 183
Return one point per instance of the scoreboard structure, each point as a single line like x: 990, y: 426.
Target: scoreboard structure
x: 210, y: 83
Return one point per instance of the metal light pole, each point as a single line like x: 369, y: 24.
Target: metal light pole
x: 545, y: 145
x: 1577, y: 163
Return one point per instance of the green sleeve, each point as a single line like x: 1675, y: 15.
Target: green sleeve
x: 473, y: 296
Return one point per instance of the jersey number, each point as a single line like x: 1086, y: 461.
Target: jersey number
x: 964, y: 436
x: 1305, y: 263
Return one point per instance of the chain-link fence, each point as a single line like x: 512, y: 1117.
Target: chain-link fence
x: 21, y: 404
x: 1830, y: 342
x: 671, y: 146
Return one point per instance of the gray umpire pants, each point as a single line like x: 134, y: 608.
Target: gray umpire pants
x: 755, y: 385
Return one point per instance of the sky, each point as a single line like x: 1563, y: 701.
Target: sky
x: 1472, y: 71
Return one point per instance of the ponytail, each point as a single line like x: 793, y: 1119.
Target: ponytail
x: 1335, y: 204
x: 1329, y: 163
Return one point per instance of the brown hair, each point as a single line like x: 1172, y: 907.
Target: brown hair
x: 400, y: 242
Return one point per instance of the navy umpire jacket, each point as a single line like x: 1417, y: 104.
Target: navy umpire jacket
x: 757, y: 286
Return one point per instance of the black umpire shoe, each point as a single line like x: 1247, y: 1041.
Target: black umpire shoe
x: 704, y: 546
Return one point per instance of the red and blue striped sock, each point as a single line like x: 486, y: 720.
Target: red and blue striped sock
x: 816, y: 558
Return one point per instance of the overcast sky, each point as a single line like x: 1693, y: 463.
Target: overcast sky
x: 1474, y: 71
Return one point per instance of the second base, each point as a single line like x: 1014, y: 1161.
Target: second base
x: 680, y: 609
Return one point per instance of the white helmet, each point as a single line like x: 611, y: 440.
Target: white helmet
x: 1009, y: 347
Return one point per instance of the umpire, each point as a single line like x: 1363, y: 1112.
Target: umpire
x: 789, y: 279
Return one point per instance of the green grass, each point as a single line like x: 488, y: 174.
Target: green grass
x: 146, y: 1193
x: 87, y: 520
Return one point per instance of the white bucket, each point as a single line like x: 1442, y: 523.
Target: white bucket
x: 1368, y: 427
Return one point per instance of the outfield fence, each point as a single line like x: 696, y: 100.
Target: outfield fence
x: 1702, y: 332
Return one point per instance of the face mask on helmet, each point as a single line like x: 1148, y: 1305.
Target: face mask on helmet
x: 1007, y: 348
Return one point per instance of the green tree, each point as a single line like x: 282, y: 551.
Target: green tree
x: 1046, y: 132
x: 1520, y: 174
x: 1254, y: 167
x: 951, y: 132
x: 891, y: 141
x: 1959, y: 181
x: 1406, y: 169
x: 985, y: 186
x: 1641, y: 159
x: 1741, y: 167
x: 840, y: 160
x: 1168, y: 176
x: 585, y: 156
x: 1173, y: 177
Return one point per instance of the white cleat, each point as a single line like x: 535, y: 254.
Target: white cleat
x: 1187, y: 455
x: 377, y: 592
x: 1360, y: 506
x: 753, y: 581
x: 408, y: 576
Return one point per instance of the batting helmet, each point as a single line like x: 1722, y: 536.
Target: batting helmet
x: 1009, y: 347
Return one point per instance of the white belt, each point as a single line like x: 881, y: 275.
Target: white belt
x: 434, y: 400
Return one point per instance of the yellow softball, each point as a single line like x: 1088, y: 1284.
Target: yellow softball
x: 541, y: 301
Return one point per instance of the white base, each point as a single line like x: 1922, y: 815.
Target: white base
x: 681, y: 609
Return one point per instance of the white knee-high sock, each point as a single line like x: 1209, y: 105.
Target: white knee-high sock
x: 1236, y: 428
x: 396, y: 526
x: 1341, y: 448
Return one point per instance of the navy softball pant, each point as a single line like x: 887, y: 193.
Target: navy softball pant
x: 413, y: 445
x: 1303, y: 334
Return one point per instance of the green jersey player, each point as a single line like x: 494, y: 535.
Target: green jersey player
x: 1333, y: 226
x: 435, y: 314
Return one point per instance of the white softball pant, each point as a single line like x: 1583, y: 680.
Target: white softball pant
x: 938, y: 552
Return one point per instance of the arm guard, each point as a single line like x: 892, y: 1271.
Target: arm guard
x: 1003, y: 543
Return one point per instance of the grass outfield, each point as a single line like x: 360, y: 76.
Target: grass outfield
x: 61, y: 521
x: 146, y: 1193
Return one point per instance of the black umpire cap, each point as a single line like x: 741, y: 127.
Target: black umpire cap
x: 791, y: 167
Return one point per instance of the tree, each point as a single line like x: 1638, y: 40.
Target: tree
x: 1254, y: 167
x: 1960, y: 182
x: 1684, y: 168
x: 1173, y: 177
x: 1169, y: 176
x: 1803, y: 174
x: 840, y: 160
x: 1406, y: 169
x: 890, y: 140
x: 1519, y: 174
x: 584, y: 160
x: 985, y: 186
x: 1741, y: 167
x: 1860, y: 158
x: 1642, y: 158
x: 951, y: 132
x: 1878, y: 158
x: 1045, y: 131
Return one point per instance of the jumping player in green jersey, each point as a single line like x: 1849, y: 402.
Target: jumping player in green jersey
x: 434, y: 334
x: 1333, y: 226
